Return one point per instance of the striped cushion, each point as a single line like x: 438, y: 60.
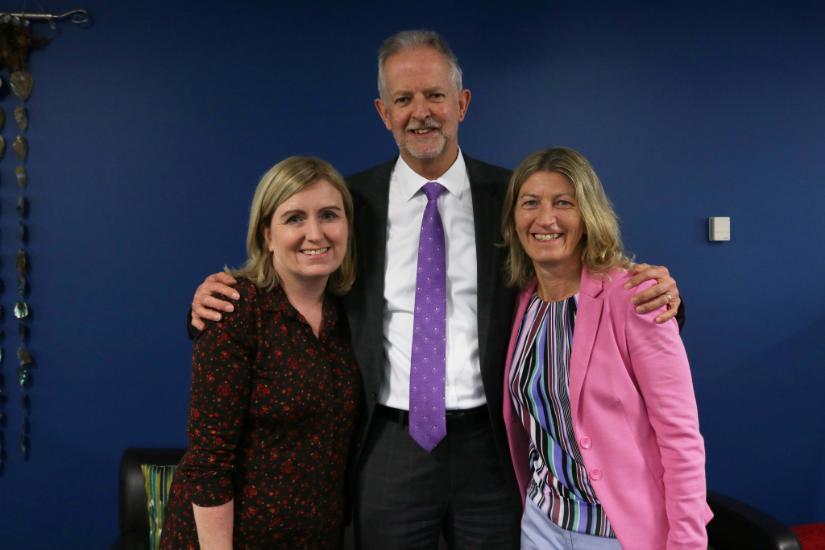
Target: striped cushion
x: 158, y: 480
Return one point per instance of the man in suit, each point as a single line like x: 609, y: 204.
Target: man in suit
x: 460, y: 484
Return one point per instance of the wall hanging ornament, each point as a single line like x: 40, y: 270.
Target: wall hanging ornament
x: 17, y: 41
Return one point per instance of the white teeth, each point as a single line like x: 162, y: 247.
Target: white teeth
x: 314, y: 252
x: 544, y: 237
x: 422, y: 130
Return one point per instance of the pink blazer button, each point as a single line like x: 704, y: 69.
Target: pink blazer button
x: 585, y: 442
x: 596, y: 474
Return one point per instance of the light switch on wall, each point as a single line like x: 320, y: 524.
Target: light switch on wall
x: 719, y: 228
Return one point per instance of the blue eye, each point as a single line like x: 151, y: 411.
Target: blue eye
x: 329, y: 215
x: 295, y: 218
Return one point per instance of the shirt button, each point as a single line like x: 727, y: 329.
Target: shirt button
x: 596, y: 474
x: 585, y: 442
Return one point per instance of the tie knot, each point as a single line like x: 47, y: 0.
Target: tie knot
x: 432, y: 189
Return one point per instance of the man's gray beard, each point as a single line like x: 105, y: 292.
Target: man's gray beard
x: 413, y: 154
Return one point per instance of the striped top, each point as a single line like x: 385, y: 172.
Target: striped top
x: 539, y: 385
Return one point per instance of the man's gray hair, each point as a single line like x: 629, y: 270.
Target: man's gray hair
x: 408, y: 40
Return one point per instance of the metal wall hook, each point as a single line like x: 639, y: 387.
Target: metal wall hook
x: 79, y: 17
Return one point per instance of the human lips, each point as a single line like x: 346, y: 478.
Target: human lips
x: 426, y: 128
x: 544, y: 237
x: 315, y: 251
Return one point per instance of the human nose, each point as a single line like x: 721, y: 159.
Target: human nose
x: 547, y: 215
x: 314, y: 231
x: 421, y: 109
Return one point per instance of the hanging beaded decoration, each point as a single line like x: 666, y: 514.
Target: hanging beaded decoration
x: 2, y: 334
x: 16, y: 43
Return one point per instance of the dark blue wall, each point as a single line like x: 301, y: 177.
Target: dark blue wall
x: 150, y: 129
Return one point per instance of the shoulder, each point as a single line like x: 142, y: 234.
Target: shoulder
x: 614, y: 280
x: 364, y: 178
x: 612, y: 284
x: 619, y: 298
x: 245, y: 307
x: 247, y: 290
x: 481, y: 172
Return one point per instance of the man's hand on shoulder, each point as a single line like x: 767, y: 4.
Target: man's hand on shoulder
x: 663, y: 293
x: 210, y: 299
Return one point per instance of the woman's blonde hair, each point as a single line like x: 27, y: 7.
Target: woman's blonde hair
x: 290, y: 176
x: 602, y: 243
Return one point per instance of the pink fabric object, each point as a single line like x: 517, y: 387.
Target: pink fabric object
x: 634, y: 417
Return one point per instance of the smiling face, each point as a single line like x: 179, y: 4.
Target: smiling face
x: 308, y: 236
x: 548, y: 222
x: 422, y: 108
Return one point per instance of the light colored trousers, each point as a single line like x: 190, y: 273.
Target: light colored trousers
x: 538, y: 532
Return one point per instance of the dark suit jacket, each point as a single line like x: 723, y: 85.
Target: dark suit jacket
x: 364, y: 305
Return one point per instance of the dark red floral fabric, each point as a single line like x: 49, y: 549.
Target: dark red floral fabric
x: 271, y: 419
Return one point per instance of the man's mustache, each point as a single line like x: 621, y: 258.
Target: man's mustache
x: 426, y: 124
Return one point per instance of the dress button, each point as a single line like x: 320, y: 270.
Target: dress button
x: 585, y: 442
x: 596, y: 474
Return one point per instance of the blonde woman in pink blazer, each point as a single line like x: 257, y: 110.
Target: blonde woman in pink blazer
x: 598, y: 401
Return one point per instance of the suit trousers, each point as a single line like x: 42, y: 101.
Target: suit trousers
x: 409, y: 498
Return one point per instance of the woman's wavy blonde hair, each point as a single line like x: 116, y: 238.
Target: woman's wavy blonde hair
x: 290, y: 176
x: 602, y: 243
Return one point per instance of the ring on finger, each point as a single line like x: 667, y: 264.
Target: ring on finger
x: 669, y: 298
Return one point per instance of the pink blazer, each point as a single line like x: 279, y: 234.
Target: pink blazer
x: 634, y: 417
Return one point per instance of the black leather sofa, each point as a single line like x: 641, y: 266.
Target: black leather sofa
x: 736, y: 525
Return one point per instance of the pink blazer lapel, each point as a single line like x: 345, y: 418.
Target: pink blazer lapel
x: 521, y: 306
x: 588, y: 317
x: 516, y: 435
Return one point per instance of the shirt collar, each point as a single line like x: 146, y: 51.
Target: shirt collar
x: 409, y: 182
x: 276, y: 300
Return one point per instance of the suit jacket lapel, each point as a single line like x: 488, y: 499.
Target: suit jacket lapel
x: 372, y: 228
x: 486, y: 212
x: 365, y: 303
x: 588, y: 316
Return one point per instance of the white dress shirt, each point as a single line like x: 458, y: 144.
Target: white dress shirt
x: 405, y: 210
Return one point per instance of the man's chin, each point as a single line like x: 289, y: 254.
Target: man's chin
x: 426, y: 153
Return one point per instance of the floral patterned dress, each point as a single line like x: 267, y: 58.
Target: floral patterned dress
x: 271, y: 420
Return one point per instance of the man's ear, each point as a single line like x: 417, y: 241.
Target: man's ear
x: 383, y: 113
x: 464, y: 97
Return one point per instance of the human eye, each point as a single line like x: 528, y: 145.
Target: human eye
x: 437, y: 96
x: 329, y: 215
x: 564, y: 203
x: 528, y: 202
x: 294, y: 219
x: 402, y: 100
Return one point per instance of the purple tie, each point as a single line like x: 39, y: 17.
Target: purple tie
x: 427, y: 424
